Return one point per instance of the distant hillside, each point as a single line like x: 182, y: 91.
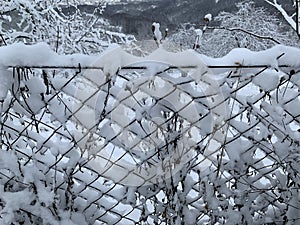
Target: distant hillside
x: 136, y: 17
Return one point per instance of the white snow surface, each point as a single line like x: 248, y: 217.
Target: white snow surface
x: 208, y: 17
x: 277, y: 56
x: 40, y: 54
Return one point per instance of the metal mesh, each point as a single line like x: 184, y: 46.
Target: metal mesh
x: 160, y: 146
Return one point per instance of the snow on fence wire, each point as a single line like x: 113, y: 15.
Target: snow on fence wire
x: 166, y: 139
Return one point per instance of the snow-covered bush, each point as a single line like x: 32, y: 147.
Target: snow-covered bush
x: 89, y: 146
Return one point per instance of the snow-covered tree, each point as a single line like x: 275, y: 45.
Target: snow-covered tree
x: 61, y: 24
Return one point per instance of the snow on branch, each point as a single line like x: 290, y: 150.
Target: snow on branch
x: 286, y: 16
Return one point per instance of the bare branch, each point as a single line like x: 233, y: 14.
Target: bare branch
x: 247, y: 32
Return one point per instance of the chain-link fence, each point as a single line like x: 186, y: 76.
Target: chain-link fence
x: 162, y: 141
